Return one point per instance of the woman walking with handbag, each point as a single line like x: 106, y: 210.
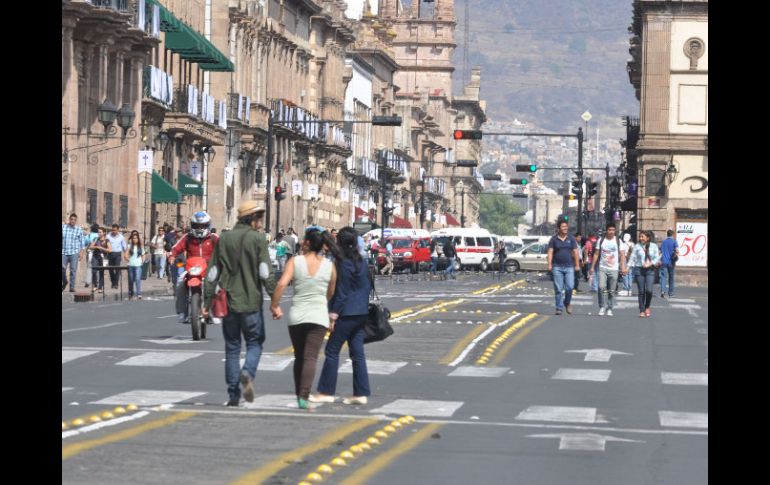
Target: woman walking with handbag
x: 100, y: 248
x: 349, y: 311
x: 645, y: 258
x: 314, y: 278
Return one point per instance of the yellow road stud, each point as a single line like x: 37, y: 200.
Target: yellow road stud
x: 373, y: 441
x: 64, y: 425
x: 314, y: 477
x: 325, y: 469
x: 381, y: 434
x: 132, y: 407
x: 403, y: 420
x: 365, y: 446
x: 78, y: 422
x: 119, y: 410
x: 339, y: 462
x: 304, y: 483
x: 356, y: 449
x: 395, y: 423
x: 94, y: 419
x: 107, y: 415
x: 346, y: 455
x: 410, y: 419
x: 389, y: 429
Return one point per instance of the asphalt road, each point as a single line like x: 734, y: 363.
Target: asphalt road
x: 501, y: 391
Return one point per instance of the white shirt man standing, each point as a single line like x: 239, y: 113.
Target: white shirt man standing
x: 611, y: 261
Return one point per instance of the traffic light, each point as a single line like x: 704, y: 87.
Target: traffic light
x: 591, y: 188
x: 467, y: 135
x: 570, y: 197
x: 467, y: 163
x: 279, y: 193
x: 386, y: 120
x: 577, y: 187
x: 526, y: 168
x: 489, y: 176
x: 519, y: 181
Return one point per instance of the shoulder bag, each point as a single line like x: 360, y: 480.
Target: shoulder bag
x: 377, y: 327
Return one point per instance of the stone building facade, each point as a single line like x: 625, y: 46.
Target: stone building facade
x: 669, y: 70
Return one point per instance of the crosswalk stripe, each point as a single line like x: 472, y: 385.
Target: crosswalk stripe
x: 596, y: 375
x: 567, y: 414
x: 475, y: 371
x: 274, y: 401
x: 145, y: 397
x: 419, y: 407
x: 378, y: 367
x: 159, y: 359
x: 677, y: 419
x: 684, y: 379
x: 70, y: 355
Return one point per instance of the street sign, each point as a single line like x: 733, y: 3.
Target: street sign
x: 586, y: 116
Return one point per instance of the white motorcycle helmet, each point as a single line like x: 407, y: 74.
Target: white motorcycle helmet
x: 200, y: 225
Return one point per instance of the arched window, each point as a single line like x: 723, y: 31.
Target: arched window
x: 655, y: 186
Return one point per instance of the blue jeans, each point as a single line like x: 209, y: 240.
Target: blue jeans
x: 134, y: 279
x: 252, y: 327
x: 72, y: 259
x: 645, y: 279
x: 433, y: 264
x: 595, y: 280
x: 667, y: 278
x: 563, y: 283
x: 627, y: 278
x: 450, y: 268
x: 608, y: 281
x: 348, y: 329
x: 159, y: 261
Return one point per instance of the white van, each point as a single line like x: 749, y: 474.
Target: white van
x: 475, y: 246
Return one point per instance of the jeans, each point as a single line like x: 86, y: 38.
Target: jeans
x: 577, y: 279
x: 306, y: 338
x: 281, y: 263
x: 645, y: 279
x: 97, y: 275
x: 563, y: 282
x: 595, y: 280
x: 450, y: 267
x: 159, y: 261
x: 608, y: 283
x: 72, y: 259
x: 114, y: 260
x: 433, y: 264
x: 134, y: 279
x: 348, y: 329
x: 667, y: 278
x: 252, y: 327
x: 627, y: 278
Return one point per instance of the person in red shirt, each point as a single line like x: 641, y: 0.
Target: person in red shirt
x: 587, y: 258
x: 200, y: 241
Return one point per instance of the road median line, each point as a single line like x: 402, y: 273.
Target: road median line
x: 491, y: 348
x: 515, y: 340
x: 286, y: 459
x: 76, y: 448
x: 492, y: 326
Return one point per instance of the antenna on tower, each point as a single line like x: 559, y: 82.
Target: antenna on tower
x: 465, y: 39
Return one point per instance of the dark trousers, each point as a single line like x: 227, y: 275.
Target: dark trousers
x: 577, y: 278
x: 307, y: 339
x: 97, y: 275
x: 645, y: 279
x: 348, y: 329
x: 113, y: 259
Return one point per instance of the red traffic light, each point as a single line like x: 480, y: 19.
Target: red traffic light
x: 467, y: 134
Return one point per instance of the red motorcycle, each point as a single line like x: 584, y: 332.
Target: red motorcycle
x: 195, y: 271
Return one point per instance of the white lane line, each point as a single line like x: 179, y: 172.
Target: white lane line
x: 568, y: 414
x: 582, y: 441
x: 473, y: 371
x: 684, y: 379
x: 92, y: 328
x: 676, y: 419
x: 65, y: 389
x: 245, y: 412
x: 596, y: 375
x: 159, y: 359
x: 168, y: 316
x: 103, y: 424
x: 144, y: 397
x: 68, y: 355
x: 486, y: 332
x: 129, y: 349
x: 274, y: 401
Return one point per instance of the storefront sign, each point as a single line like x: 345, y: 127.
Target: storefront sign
x: 693, y: 243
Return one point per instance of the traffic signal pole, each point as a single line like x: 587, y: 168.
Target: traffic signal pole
x: 580, y: 179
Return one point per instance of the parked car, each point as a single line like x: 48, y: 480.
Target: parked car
x: 408, y: 253
x: 532, y: 257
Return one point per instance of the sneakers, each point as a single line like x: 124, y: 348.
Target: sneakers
x: 663, y: 295
x: 609, y: 312
x: 602, y: 311
x: 180, y: 318
x: 355, y: 400
x: 302, y: 404
x: 216, y: 321
x: 558, y: 312
x: 319, y: 398
x: 247, y: 386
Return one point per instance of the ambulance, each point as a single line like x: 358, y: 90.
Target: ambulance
x: 475, y: 246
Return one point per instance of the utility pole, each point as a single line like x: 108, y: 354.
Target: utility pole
x: 580, y: 179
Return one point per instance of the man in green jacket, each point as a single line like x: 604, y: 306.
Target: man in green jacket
x: 241, y: 265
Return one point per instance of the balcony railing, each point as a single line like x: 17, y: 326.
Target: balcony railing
x: 188, y: 100
x: 158, y: 85
x: 367, y: 168
x: 118, y: 5
x: 147, y: 18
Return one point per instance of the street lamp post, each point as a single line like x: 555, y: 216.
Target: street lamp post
x: 461, y: 186
x: 278, y: 171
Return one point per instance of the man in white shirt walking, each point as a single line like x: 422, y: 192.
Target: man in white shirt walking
x: 611, y: 261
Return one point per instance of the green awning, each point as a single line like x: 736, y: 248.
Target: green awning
x: 188, y: 186
x: 163, y: 192
x: 190, y: 44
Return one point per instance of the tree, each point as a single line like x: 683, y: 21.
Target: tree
x: 498, y: 214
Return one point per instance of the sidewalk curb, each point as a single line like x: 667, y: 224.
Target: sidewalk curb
x: 68, y: 297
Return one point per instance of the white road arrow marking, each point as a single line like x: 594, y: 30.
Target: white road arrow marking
x: 598, y: 355
x: 582, y: 441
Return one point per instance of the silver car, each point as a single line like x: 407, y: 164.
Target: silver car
x: 531, y: 257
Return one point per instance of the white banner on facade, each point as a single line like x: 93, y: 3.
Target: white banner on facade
x: 229, y: 176
x: 145, y: 161
x: 442, y: 220
x: 411, y: 212
x: 365, y: 206
x: 397, y: 209
x: 195, y: 170
x: 356, y: 199
x: 428, y: 215
x: 296, y: 187
x: 344, y: 195
x: 693, y: 243
x: 312, y: 191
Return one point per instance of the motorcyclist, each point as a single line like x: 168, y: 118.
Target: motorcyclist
x: 200, y: 241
